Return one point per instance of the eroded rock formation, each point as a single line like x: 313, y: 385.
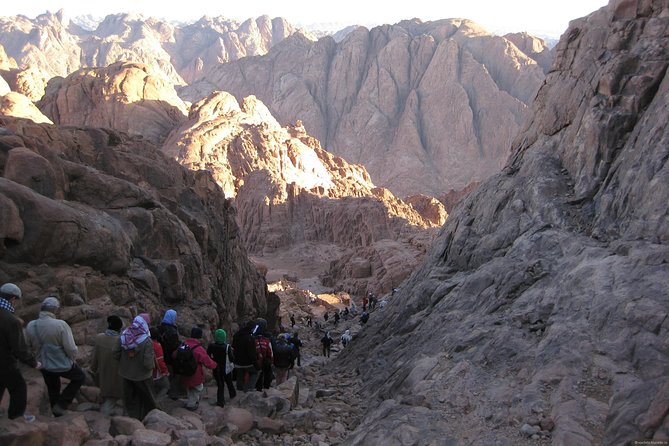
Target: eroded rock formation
x: 110, y: 225
x: 290, y: 192
x: 543, y: 304
x: 425, y: 107
x: 124, y: 96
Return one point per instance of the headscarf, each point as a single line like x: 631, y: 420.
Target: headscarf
x: 170, y: 317
x: 135, y: 334
x: 220, y: 336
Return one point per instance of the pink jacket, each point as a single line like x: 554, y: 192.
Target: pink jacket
x: 202, y: 358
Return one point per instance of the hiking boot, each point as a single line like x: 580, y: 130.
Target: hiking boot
x: 193, y: 408
x: 58, y: 411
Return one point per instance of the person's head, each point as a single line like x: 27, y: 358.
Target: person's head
x: 153, y: 332
x: 220, y: 336
x: 170, y: 317
x: 114, y: 323
x: 51, y: 304
x: 196, y: 332
x: 10, y: 292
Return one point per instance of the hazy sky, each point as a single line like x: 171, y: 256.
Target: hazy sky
x: 535, y: 16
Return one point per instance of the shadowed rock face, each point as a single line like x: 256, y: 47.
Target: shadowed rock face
x: 112, y: 226
x: 545, y: 297
x: 425, y: 107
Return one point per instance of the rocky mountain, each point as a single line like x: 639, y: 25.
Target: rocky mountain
x: 124, y: 96
x: 377, y: 97
x: 290, y: 194
x: 112, y: 226
x: 541, y: 310
x: 54, y: 45
x: 287, y: 190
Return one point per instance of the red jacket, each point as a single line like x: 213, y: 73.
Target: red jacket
x: 202, y: 359
x: 161, y: 368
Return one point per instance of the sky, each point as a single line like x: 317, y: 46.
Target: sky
x: 542, y: 18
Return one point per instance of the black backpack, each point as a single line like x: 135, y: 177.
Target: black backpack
x: 185, y: 363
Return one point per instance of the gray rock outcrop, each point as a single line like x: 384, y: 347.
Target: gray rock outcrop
x: 544, y: 301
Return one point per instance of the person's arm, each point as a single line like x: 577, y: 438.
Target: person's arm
x: 67, y: 340
x: 149, y: 357
x: 160, y: 360
x: 204, y: 359
x: 116, y: 351
x: 19, y: 347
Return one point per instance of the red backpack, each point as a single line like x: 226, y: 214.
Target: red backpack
x: 264, y: 350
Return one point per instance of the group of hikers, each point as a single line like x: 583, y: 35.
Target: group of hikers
x: 141, y: 364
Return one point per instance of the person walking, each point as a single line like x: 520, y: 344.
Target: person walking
x: 297, y: 345
x: 104, y: 367
x: 13, y: 348
x: 52, y: 339
x: 160, y: 373
x: 292, y: 320
x: 326, y: 340
x: 222, y: 352
x: 136, y: 362
x: 265, y: 356
x: 346, y: 338
x: 194, y: 383
x: 168, y: 336
x: 284, y: 358
x: 246, y: 358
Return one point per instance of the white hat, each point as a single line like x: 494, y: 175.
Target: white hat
x: 50, y: 303
x: 10, y: 290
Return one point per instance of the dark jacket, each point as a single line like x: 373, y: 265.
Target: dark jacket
x: 219, y: 353
x: 13, y: 345
x: 245, y: 348
x: 284, y: 355
x: 168, y: 336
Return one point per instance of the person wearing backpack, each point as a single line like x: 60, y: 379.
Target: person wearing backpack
x: 222, y: 352
x: 297, y: 344
x: 265, y: 359
x: 284, y: 358
x: 188, y: 361
x: 246, y: 356
x: 136, y: 357
x: 168, y: 336
x: 346, y: 338
x: 160, y: 373
x: 327, y: 341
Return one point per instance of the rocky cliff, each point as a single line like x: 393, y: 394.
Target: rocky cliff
x: 425, y: 107
x: 124, y: 96
x: 55, y: 46
x: 110, y: 225
x: 541, y: 310
x: 290, y: 193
